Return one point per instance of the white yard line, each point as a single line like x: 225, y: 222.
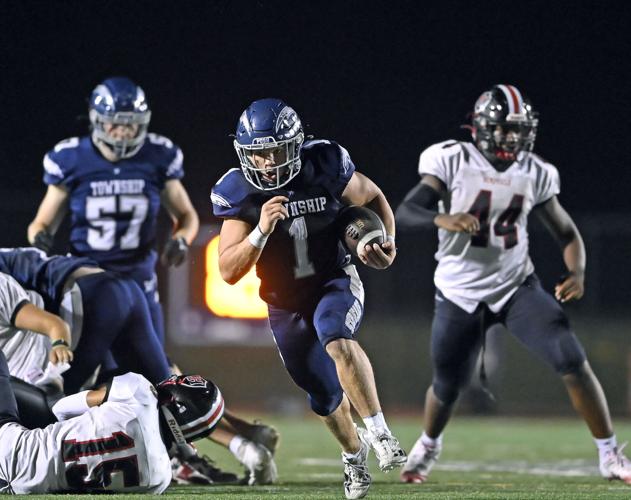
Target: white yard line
x: 562, y: 468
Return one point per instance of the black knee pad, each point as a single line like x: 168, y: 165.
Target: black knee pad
x: 32, y: 404
x: 446, y: 391
x: 325, y: 404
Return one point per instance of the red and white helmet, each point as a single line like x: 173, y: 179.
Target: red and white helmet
x: 191, y: 405
x: 504, y: 105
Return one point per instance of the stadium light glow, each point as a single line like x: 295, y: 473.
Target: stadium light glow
x: 231, y: 301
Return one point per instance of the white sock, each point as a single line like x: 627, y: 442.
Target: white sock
x: 376, y: 424
x: 605, y: 446
x: 432, y: 442
x: 235, y: 444
x: 351, y: 457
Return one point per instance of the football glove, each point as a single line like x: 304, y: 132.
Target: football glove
x: 44, y: 241
x: 175, y: 251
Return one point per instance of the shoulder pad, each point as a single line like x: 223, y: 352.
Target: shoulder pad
x: 329, y: 158
x: 229, y: 193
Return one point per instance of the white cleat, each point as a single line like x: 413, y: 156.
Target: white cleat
x: 616, y: 466
x: 386, y: 447
x: 259, y: 463
x: 420, y: 462
x: 356, y: 477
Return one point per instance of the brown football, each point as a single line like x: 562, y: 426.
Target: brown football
x: 360, y: 226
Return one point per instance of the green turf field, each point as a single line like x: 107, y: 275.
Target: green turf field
x: 483, y: 458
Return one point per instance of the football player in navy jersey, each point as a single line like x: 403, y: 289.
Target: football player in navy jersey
x: 113, y: 182
x: 279, y: 214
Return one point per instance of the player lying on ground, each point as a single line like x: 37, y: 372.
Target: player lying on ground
x: 116, y: 438
x: 485, y: 275
x: 279, y: 214
x: 109, y: 313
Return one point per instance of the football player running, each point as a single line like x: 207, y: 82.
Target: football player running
x: 113, y: 183
x: 113, y: 439
x: 486, y: 190
x: 279, y: 212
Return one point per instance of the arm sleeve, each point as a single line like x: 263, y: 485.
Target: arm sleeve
x: 418, y: 209
x: 440, y: 160
x: 175, y: 168
x: 226, y: 195
x: 547, y: 183
x: 12, y: 299
x: 337, y: 166
x: 71, y: 406
x: 59, y: 160
x: 131, y: 388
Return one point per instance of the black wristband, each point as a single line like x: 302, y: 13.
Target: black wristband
x: 59, y: 342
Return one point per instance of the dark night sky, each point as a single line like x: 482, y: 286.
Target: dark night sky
x: 385, y: 79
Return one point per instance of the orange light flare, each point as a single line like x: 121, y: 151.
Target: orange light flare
x: 231, y: 301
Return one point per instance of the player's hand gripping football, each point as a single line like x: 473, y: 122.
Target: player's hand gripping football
x: 458, y: 223
x: 60, y: 353
x: 571, y: 287
x: 378, y: 256
x: 272, y: 211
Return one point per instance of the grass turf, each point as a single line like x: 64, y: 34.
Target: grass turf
x: 483, y: 458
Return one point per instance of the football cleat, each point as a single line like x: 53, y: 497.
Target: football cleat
x: 184, y: 473
x: 206, y: 466
x: 260, y: 467
x: 616, y: 465
x: 356, y: 477
x: 265, y: 435
x: 386, y: 447
x: 420, y: 462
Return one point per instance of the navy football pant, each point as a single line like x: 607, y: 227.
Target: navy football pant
x: 302, y: 335
x: 8, y: 405
x: 115, y: 318
x: 532, y: 315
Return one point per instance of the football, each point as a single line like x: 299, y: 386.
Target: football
x: 360, y: 226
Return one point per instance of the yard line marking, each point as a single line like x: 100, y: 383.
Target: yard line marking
x: 560, y: 468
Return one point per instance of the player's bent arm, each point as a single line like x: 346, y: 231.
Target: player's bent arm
x: 563, y: 228
x: 362, y: 191
x: 418, y: 209
x: 31, y: 317
x: 77, y: 404
x: 237, y: 254
x: 178, y: 204
x: 50, y: 213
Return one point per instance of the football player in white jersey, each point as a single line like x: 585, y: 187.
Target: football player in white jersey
x: 114, y: 439
x: 30, y: 336
x: 479, y: 195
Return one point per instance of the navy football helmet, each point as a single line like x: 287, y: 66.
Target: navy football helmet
x: 504, y: 123
x: 269, y: 129
x: 191, y: 405
x: 119, y: 101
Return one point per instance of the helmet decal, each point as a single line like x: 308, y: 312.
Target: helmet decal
x: 193, y: 381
